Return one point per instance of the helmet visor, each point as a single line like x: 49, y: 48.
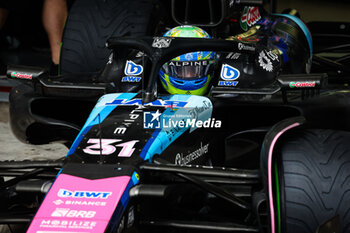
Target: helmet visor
x: 188, y: 69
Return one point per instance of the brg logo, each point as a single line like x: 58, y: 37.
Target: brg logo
x: 151, y: 120
x: 132, y: 69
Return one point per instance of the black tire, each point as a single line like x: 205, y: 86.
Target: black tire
x: 12, y: 228
x: 314, y: 179
x: 91, y: 22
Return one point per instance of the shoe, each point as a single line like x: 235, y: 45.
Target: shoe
x: 53, y: 69
x: 3, y: 67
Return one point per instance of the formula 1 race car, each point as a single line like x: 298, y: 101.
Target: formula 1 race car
x: 263, y: 149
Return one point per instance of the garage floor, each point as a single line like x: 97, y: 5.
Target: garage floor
x: 12, y: 149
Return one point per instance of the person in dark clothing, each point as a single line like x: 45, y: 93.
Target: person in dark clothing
x: 54, y: 14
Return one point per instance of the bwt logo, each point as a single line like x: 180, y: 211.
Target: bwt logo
x: 83, y: 194
x: 132, y: 69
x: 229, y: 73
x: 151, y: 120
x: 131, y: 79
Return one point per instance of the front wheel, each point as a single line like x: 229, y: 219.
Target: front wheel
x: 313, y: 182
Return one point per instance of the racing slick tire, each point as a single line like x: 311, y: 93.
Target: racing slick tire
x: 91, y: 22
x: 314, y: 182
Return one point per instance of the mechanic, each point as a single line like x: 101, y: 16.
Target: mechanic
x: 190, y: 73
x: 54, y: 15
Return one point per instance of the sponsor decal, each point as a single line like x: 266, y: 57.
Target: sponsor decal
x: 302, y: 84
x: 233, y: 56
x: 265, y: 62
x: 140, y: 54
x: 76, y: 204
x: 68, y: 224
x: 120, y: 130
x: 83, y: 194
x: 131, y: 71
x: 228, y: 83
x: 229, y: 74
x: 273, y: 56
x: 108, y: 146
x: 180, y: 159
x: 250, y: 16
x: 133, y: 116
x: 161, y: 42
x: 188, y: 63
x: 21, y: 75
x: 131, y: 79
x: 69, y: 213
x: 79, y: 203
x: 58, y: 202
x: 196, y: 111
x: 161, y: 103
x: 245, y: 47
x: 60, y: 212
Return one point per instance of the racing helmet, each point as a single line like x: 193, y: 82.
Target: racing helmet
x: 189, y: 73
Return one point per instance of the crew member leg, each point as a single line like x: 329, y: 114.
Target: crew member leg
x: 54, y: 16
x: 3, y: 17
